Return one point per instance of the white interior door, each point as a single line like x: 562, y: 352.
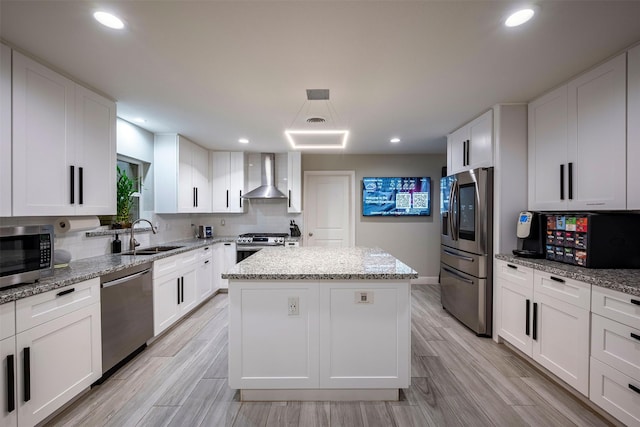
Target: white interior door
x: 329, y: 198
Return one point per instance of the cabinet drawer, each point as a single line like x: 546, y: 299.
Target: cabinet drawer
x: 515, y: 274
x: 189, y: 258
x: 615, y: 305
x: 205, y: 252
x: 41, y: 308
x: 614, y: 392
x: 7, y: 320
x: 616, y: 344
x: 567, y: 290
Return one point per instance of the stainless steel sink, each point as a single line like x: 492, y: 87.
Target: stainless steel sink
x: 152, y: 250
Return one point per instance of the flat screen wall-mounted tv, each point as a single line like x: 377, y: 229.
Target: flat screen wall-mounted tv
x: 396, y: 196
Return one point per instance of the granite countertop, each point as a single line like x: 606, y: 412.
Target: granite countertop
x: 621, y: 280
x: 88, y: 268
x: 321, y: 263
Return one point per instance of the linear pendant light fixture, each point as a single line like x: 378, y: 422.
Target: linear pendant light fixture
x: 319, y: 130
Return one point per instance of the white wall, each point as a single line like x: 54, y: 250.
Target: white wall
x: 413, y: 240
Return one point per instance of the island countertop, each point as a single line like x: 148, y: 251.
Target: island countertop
x: 321, y: 263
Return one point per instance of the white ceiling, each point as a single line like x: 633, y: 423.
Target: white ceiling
x: 216, y: 71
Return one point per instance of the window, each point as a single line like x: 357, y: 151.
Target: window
x: 133, y: 168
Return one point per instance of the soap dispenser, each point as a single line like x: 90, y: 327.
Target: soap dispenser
x: 116, y: 245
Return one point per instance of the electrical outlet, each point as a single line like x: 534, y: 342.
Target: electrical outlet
x: 294, y: 306
x: 222, y: 222
x: 363, y: 297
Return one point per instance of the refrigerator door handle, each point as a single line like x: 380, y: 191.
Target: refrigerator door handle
x: 462, y: 257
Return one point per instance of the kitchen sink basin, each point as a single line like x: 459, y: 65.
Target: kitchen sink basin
x: 152, y: 250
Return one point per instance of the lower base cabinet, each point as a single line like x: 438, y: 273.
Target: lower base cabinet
x: 8, y: 408
x: 547, y: 318
x: 615, y: 392
x: 319, y: 335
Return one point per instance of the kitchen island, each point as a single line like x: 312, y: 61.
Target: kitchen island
x: 316, y: 323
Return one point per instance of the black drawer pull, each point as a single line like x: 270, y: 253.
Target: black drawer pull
x: 635, y: 301
x: 11, y: 390
x: 512, y: 266
x: 556, y: 279
x: 207, y: 262
x: 635, y: 336
x: 26, y: 360
x: 634, y: 388
x: 68, y: 291
x: 227, y: 244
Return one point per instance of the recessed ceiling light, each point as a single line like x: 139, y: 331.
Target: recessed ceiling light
x: 243, y: 141
x: 519, y: 17
x: 109, y: 20
x: 139, y: 120
x: 394, y: 140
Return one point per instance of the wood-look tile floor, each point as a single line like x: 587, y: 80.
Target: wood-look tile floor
x: 458, y: 379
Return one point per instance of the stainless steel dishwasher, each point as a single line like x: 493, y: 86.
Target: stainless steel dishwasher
x: 127, y: 314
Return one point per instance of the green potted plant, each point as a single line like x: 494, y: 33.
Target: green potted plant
x: 126, y: 187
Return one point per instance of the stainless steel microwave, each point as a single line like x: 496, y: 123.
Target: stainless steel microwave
x: 26, y: 254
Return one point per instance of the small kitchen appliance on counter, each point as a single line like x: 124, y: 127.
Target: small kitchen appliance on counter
x: 205, y: 231
x: 294, y: 229
x: 530, y: 232
x: 26, y: 254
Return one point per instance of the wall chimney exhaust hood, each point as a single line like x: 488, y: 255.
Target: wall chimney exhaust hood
x: 267, y: 189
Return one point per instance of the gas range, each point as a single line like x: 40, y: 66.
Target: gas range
x: 261, y: 239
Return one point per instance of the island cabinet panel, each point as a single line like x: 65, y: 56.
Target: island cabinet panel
x: 277, y: 343
x: 359, y: 322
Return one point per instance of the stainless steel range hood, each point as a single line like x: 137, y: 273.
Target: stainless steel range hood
x: 268, y: 188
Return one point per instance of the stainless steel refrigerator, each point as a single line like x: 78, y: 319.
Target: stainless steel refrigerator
x: 466, y: 221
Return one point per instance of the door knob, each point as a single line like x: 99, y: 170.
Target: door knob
x: 310, y: 234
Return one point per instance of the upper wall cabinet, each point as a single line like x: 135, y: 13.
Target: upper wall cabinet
x: 64, y: 145
x: 577, y: 143
x: 471, y: 146
x: 181, y: 175
x: 633, y: 129
x: 5, y: 130
x: 294, y: 182
x: 227, y: 181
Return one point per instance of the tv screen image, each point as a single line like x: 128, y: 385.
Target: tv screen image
x: 396, y: 196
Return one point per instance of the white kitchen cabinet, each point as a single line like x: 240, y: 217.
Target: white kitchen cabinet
x: 175, y: 288
x: 547, y: 318
x: 8, y: 372
x: 615, y: 354
x: 204, y: 274
x: 515, y: 299
x: 59, y: 329
x: 182, y: 175
x: 5, y: 130
x: 64, y: 136
x: 227, y: 181
x: 633, y: 129
x: 358, y: 321
x: 294, y: 182
x: 224, y: 258
x: 570, y: 167
x: 471, y: 146
x: 264, y: 363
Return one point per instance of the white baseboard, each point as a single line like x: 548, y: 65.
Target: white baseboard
x: 425, y: 280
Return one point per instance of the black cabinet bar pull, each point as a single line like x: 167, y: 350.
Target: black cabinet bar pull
x: 289, y: 198
x: 26, y: 359
x: 182, y: 289
x: 635, y: 336
x: 80, y: 186
x: 11, y: 389
x: 72, y: 184
x: 561, y: 182
x: 635, y: 301
x: 464, y: 153
x: 207, y: 262
x: 178, y: 287
x: 68, y: 291
x: 512, y: 266
x: 227, y: 198
x: 227, y: 244
x: 556, y: 279
x: 468, y: 150
x: 193, y: 196
x: 634, y: 388
x: 527, y: 324
x: 197, y: 197
x: 570, y: 180
x: 240, y: 198
x: 535, y: 321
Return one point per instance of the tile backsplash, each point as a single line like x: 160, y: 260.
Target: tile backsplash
x: 269, y: 216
